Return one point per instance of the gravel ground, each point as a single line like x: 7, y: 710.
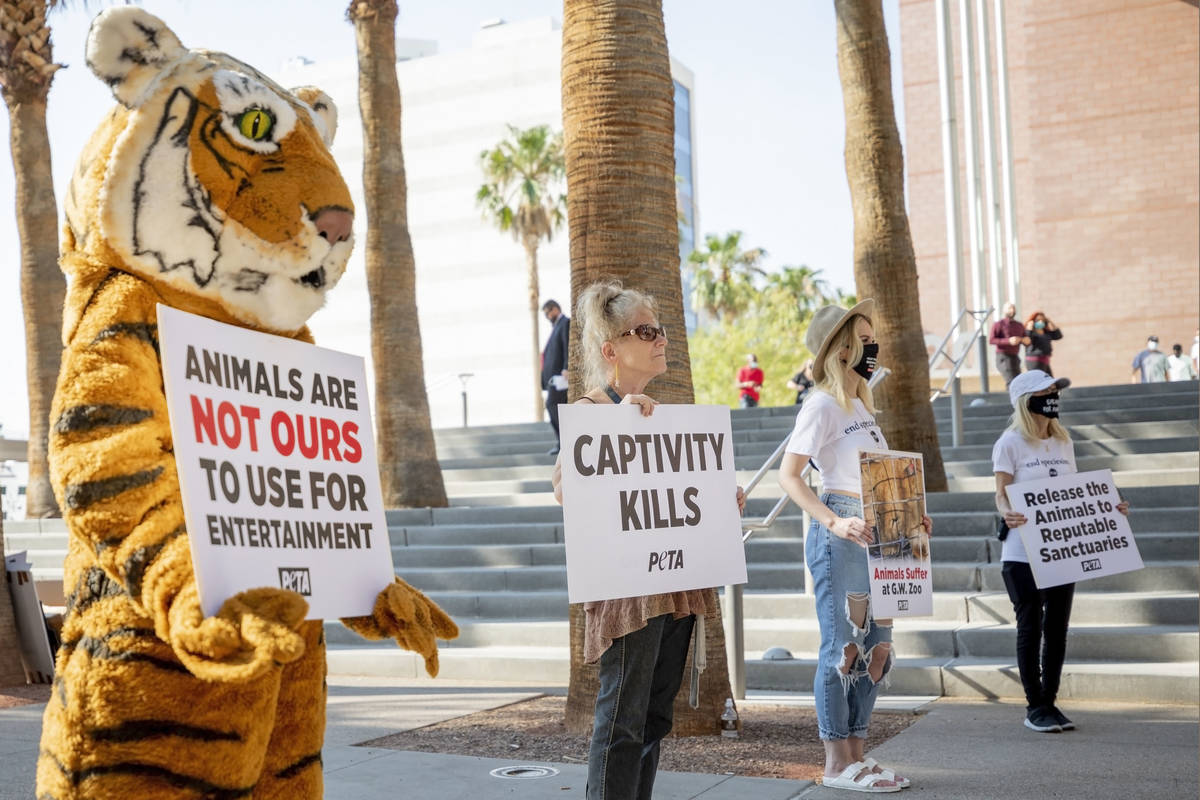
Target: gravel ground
x: 776, y: 741
x: 24, y: 695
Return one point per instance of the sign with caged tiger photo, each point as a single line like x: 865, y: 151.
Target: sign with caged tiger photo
x: 893, y: 501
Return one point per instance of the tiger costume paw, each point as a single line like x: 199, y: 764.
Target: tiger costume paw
x: 254, y: 631
x: 412, y: 619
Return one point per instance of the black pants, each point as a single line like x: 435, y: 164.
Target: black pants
x: 1009, y: 366
x: 1042, y: 619
x: 553, y: 398
x: 1044, y: 366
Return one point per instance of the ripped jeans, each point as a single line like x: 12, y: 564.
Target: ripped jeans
x: 842, y: 592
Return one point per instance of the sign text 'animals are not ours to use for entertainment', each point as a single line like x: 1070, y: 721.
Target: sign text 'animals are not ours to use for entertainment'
x: 649, y: 503
x: 277, y: 468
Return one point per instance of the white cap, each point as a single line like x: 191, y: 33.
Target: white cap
x: 1033, y: 381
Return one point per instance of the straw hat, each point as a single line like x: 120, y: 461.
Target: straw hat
x: 825, y: 325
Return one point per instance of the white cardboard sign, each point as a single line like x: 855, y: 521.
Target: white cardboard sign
x: 1074, y: 531
x: 898, y: 560
x: 276, y: 458
x: 649, y: 503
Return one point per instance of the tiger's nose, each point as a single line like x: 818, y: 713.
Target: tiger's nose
x: 334, y: 224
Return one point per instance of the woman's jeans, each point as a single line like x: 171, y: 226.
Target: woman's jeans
x: 1042, y: 619
x: 640, y: 674
x: 841, y: 585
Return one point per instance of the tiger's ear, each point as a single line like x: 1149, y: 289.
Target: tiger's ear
x: 127, y: 48
x: 324, y: 110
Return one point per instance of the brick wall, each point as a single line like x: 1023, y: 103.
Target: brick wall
x: 1105, y: 102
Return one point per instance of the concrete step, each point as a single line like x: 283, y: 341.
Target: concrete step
x: 1119, y: 681
x: 534, y: 666
x: 1101, y: 608
x: 1156, y: 576
x: 543, y: 604
x: 926, y: 638
x: 1089, y: 608
x: 476, y: 633
x: 775, y: 576
x: 1092, y: 643
x: 992, y: 678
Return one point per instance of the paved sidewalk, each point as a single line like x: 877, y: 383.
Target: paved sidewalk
x: 959, y: 750
x: 979, y: 750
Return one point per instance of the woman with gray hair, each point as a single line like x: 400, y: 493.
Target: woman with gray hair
x: 641, y: 643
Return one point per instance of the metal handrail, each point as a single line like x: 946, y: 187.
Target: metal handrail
x: 981, y: 319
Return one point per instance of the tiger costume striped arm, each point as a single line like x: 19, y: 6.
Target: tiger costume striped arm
x: 113, y: 469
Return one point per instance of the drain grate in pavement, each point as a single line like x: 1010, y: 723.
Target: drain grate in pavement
x: 523, y: 772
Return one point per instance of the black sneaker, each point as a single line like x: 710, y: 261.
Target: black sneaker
x: 1040, y: 719
x: 1061, y: 719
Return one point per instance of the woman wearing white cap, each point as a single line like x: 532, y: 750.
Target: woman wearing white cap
x: 1035, y: 446
x: 835, y: 422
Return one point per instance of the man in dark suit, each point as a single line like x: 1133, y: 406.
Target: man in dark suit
x: 554, y: 364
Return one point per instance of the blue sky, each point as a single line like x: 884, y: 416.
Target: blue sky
x: 769, y: 128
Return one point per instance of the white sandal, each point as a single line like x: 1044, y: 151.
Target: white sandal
x: 867, y: 782
x: 888, y: 774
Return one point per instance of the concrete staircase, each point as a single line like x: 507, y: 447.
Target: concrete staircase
x: 495, y: 560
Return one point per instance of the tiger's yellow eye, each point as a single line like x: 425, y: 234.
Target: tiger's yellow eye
x: 255, y: 124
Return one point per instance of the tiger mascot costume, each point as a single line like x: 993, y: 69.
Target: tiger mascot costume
x: 210, y: 189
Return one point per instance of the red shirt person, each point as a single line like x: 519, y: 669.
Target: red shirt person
x: 1008, y: 335
x: 749, y: 382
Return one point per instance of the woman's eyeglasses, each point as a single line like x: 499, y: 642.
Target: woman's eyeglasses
x: 647, y: 332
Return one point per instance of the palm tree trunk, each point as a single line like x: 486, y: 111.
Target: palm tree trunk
x: 12, y: 673
x: 530, y: 242
x: 619, y: 136
x: 42, y: 284
x: 408, y: 465
x: 884, y: 265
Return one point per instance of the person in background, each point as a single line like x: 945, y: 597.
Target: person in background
x: 554, y: 364
x: 1007, y: 337
x: 1196, y: 352
x: 802, y: 382
x: 1035, y: 446
x: 1039, y: 333
x: 749, y: 382
x: 1150, y: 365
x: 641, y: 643
x: 1179, y: 366
x: 836, y: 421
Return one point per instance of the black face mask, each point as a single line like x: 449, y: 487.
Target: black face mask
x: 866, y: 364
x: 1045, y: 404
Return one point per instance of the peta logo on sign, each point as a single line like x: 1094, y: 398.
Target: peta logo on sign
x: 1091, y: 565
x: 902, y: 605
x: 295, y: 579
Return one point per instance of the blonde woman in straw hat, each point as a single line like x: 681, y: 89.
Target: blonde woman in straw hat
x: 835, y: 422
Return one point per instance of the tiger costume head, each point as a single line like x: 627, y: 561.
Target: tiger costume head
x: 208, y: 179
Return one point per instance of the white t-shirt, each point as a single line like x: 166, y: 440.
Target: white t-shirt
x: 832, y: 437
x: 1179, y: 368
x: 1029, y: 461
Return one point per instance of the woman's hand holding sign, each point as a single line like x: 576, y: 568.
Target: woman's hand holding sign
x: 854, y: 529
x: 644, y: 402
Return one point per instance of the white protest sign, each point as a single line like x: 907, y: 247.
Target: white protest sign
x: 1074, y: 531
x: 276, y: 458
x: 898, y: 562
x: 36, y: 656
x: 649, y: 503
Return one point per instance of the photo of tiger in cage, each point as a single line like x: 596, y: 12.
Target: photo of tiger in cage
x: 893, y: 500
